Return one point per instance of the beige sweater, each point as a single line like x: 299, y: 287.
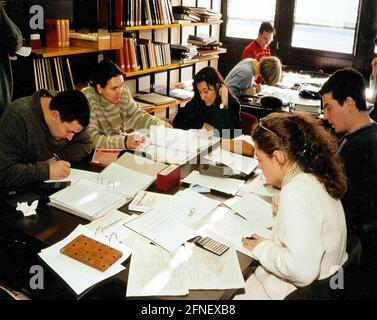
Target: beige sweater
x: 108, y: 121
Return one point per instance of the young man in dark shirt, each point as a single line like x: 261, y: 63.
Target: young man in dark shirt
x: 40, y: 135
x: 344, y: 101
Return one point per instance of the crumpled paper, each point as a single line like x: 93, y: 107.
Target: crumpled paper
x: 26, y: 209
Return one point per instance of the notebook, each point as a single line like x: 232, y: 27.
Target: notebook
x: 155, y: 99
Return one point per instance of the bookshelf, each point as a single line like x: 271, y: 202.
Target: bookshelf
x: 170, y: 71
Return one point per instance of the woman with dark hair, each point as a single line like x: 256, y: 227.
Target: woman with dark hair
x: 298, y: 155
x: 113, y: 110
x: 212, y: 107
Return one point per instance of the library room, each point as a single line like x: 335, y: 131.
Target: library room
x: 180, y: 150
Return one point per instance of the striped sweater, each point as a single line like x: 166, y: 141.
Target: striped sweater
x: 108, y: 121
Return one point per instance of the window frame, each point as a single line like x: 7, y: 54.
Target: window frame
x: 281, y: 45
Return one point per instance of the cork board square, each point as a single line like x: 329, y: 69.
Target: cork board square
x: 91, y: 252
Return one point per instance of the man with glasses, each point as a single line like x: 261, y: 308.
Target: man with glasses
x: 344, y: 102
x: 40, y: 135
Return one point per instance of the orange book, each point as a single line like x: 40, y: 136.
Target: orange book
x: 62, y: 30
x: 53, y: 36
x: 120, y: 58
x: 126, y: 55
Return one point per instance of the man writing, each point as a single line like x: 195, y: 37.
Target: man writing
x: 40, y: 135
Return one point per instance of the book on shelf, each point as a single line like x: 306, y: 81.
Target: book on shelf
x: 57, y: 33
x: 155, y: 99
x: 177, y: 93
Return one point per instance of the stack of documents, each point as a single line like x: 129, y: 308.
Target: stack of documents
x: 108, y: 190
x: 154, y: 272
x: 77, y: 275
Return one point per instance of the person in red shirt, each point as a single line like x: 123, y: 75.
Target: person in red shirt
x: 260, y: 47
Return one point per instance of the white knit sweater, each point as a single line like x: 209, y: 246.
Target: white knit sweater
x: 308, y: 241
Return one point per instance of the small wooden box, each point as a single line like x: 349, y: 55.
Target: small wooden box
x: 103, y: 42
x: 116, y: 40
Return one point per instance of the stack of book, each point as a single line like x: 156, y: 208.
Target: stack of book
x: 201, y: 39
x: 184, y: 13
x: 183, y: 52
x: 57, y: 33
x: 206, y: 15
x: 196, y: 14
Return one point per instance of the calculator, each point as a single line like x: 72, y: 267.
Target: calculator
x: 211, y: 245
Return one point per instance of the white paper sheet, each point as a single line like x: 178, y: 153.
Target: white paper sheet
x: 161, y: 228
x: 225, y: 185
x: 252, y: 208
x: 258, y: 185
x: 235, y: 161
x: 189, y: 206
x: 153, y: 272
x: 75, y: 175
x: 124, y: 180
x: 232, y: 228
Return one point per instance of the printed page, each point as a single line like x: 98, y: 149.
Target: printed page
x: 232, y: 228
x: 162, y: 228
x: 155, y: 272
x: 124, y: 180
x: 89, y: 198
x: 190, y: 207
x: 75, y: 175
x: 252, y: 208
x: 225, y: 185
x: 207, y: 271
x: 145, y: 200
x: 235, y: 161
x: 258, y: 185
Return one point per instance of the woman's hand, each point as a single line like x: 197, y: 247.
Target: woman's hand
x: 251, y: 242
x: 223, y: 92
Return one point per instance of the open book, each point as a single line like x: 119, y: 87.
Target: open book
x: 176, y: 146
x: 109, y: 190
x: 173, y: 146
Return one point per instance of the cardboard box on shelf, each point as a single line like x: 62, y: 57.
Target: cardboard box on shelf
x: 116, y: 39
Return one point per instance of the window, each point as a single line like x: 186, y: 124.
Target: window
x: 245, y: 16
x: 325, y: 25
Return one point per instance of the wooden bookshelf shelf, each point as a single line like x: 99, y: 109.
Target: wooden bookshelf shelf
x: 152, y: 70
x: 200, y: 24
x: 149, y: 27
x: 174, y: 65
x: 165, y: 106
x: 66, y: 51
